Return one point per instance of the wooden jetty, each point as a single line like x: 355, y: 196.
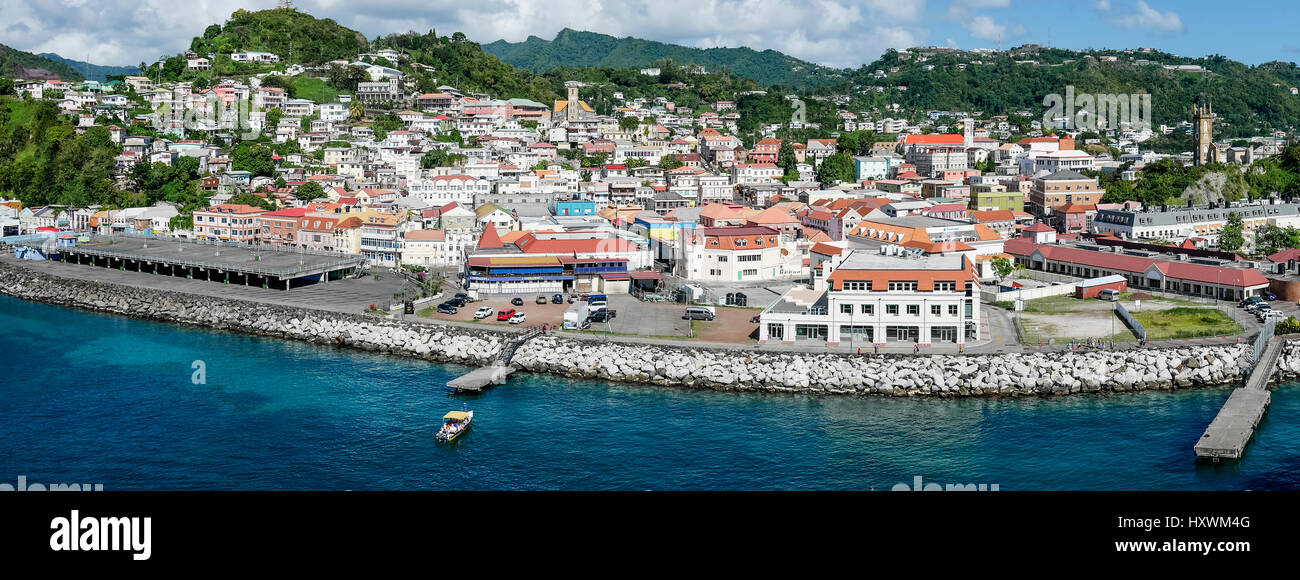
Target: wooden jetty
x: 1232, y: 429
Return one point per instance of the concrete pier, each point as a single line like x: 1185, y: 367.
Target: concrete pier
x: 1234, y: 426
x: 480, y: 378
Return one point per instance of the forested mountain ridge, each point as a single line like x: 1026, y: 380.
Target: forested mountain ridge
x: 574, y: 49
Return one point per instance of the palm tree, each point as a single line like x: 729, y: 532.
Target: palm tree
x: 356, y: 110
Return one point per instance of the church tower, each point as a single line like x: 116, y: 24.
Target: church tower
x: 572, y: 109
x: 1202, y: 134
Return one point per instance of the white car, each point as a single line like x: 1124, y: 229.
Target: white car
x: 518, y: 318
x: 483, y: 312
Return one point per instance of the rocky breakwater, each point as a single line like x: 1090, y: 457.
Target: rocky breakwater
x: 936, y: 375
x: 432, y: 342
x: 1288, y: 362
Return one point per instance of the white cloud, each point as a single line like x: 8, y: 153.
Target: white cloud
x: 1146, y: 17
x: 983, y: 27
x: 1102, y: 5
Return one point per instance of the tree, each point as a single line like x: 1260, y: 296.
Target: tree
x: 1270, y: 239
x: 785, y: 159
x: 1003, y: 267
x: 254, y: 158
x: 309, y: 191
x: 835, y: 169
x: 628, y: 123
x: 1230, y: 237
x: 440, y: 158
x: 253, y: 200
x: 668, y: 162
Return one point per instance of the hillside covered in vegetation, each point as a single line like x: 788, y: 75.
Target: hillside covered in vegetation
x: 1249, y: 100
x: 297, y: 37
x: 572, y: 49
x: 15, y: 63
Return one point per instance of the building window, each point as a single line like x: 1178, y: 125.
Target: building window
x: 891, y: 309
x: 936, y: 309
x: 846, y: 309
x: 952, y: 310
x: 868, y: 309
x: 913, y: 309
x: 775, y: 331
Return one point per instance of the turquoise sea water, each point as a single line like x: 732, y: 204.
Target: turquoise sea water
x: 97, y: 398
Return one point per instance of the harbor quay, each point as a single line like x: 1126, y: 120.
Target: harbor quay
x: 685, y: 364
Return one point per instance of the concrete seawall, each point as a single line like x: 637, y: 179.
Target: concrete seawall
x: 685, y: 366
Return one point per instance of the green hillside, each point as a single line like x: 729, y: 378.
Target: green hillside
x: 297, y: 37
x: 572, y: 48
x: 18, y: 64
x: 463, y: 64
x: 1249, y: 99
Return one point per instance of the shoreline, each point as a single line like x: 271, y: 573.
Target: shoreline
x: 688, y: 366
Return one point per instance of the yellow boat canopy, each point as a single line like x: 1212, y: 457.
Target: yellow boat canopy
x: 457, y: 415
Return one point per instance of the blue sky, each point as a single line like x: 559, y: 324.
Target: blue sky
x: 832, y: 32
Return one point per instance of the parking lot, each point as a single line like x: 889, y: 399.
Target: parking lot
x: 632, y: 317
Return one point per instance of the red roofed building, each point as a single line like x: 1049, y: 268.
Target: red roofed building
x: 228, y: 221
x: 765, y: 151
x: 1141, y: 272
x: 549, y: 262
x: 737, y: 254
x: 865, y: 297
x: 280, y: 228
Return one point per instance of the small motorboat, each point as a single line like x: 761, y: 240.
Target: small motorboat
x: 454, y: 424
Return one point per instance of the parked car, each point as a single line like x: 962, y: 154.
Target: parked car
x: 1257, y: 306
x: 557, y: 299
x: 457, y: 302
x: 1269, y: 296
x: 446, y: 308
x: 698, y: 313
x: 602, y: 315
x: 1108, y: 294
x: 505, y: 314
x: 572, y: 299
x: 518, y: 318
x: 483, y: 312
x: 541, y: 300
x: 517, y: 301
x: 597, y: 305
x: 1249, y: 301
x: 463, y: 296
x: 755, y: 318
